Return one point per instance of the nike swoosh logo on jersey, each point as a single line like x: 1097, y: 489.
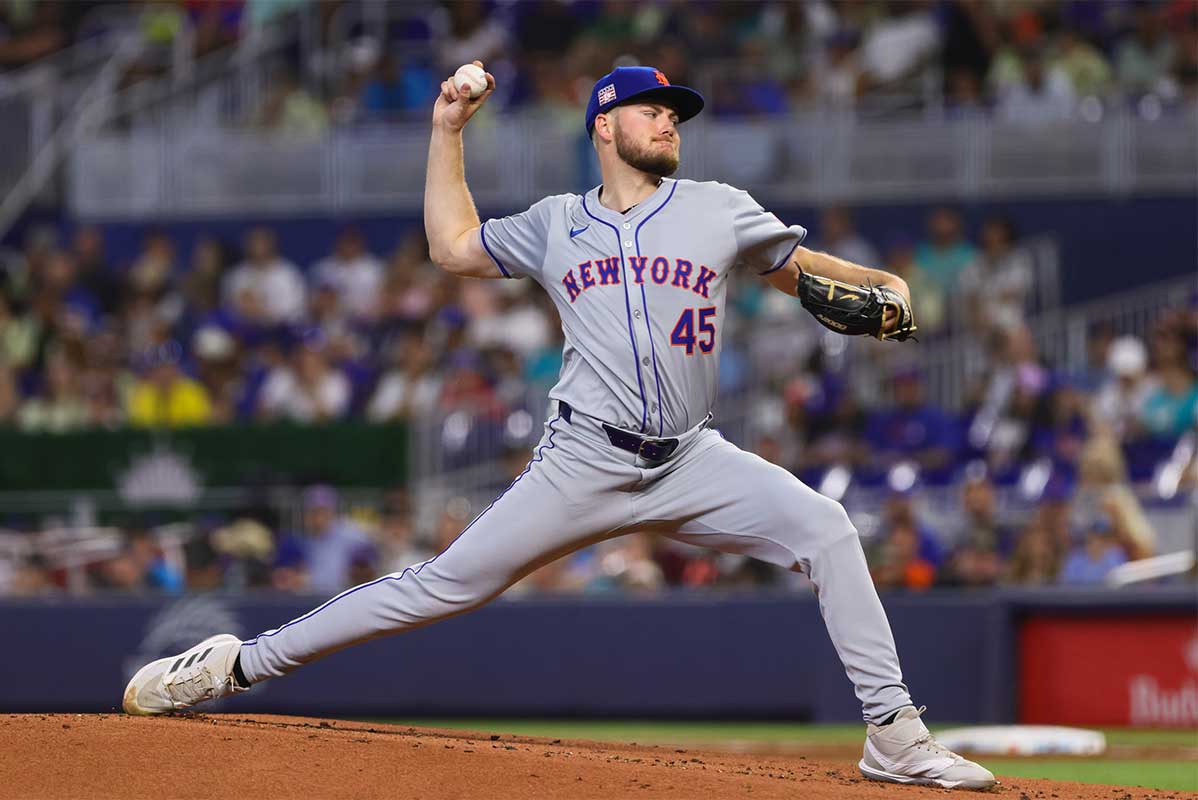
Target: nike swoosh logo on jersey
x: 575, y: 231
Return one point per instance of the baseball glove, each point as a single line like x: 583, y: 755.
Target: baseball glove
x: 856, y: 310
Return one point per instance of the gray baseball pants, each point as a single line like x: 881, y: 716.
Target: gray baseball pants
x: 577, y: 490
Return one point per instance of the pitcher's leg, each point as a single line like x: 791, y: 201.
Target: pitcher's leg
x: 759, y: 509
x: 530, y: 524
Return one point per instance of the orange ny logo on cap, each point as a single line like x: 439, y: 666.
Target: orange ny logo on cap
x: 660, y: 77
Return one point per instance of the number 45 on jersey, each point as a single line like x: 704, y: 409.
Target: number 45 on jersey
x: 684, y: 335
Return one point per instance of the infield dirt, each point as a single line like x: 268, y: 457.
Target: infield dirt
x: 59, y: 756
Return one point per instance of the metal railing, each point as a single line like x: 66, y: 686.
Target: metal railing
x: 512, y: 161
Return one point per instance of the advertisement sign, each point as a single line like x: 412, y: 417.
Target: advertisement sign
x: 1118, y: 670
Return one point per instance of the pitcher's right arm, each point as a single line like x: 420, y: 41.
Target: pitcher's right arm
x: 450, y: 219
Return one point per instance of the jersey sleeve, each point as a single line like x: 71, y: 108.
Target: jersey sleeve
x: 517, y: 243
x: 763, y: 243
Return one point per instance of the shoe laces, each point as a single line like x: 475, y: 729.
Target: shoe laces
x: 926, y: 741
x: 194, y: 685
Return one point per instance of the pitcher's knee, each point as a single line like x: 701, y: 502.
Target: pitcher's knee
x: 429, y: 594
x: 821, y: 521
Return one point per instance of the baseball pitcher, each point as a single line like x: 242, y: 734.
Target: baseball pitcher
x: 638, y: 269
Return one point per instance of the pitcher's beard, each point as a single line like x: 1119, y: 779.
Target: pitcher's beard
x: 655, y: 162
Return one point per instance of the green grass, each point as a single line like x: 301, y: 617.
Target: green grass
x: 1149, y: 774
x: 1158, y: 774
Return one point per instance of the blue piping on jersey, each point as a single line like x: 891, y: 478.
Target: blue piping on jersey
x: 482, y: 232
x: 661, y: 409
x: 636, y: 356
x: 538, y: 456
x: 789, y: 253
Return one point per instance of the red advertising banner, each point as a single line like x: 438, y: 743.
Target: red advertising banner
x: 1122, y: 670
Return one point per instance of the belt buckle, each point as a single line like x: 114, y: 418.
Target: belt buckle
x: 663, y: 449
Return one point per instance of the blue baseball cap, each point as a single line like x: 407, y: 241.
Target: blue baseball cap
x: 646, y: 84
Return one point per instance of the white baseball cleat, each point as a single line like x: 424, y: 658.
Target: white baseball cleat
x: 204, y: 672
x: 905, y: 752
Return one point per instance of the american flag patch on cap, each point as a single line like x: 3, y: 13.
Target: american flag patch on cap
x: 607, y: 94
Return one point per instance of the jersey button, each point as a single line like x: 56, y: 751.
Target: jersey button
x: 628, y: 244
x: 645, y: 361
x: 627, y: 225
x: 653, y: 407
x: 637, y: 313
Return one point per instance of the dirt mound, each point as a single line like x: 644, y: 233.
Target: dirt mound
x: 50, y: 756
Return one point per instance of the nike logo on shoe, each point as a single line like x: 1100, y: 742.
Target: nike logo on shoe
x: 575, y: 231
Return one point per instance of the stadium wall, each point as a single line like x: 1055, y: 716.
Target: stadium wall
x: 679, y: 656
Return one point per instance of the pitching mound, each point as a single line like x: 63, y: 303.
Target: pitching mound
x: 51, y: 756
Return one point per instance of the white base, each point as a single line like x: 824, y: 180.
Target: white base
x: 1023, y: 740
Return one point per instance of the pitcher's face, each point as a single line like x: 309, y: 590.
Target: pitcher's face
x: 646, y: 137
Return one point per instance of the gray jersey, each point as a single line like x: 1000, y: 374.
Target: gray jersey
x: 641, y: 295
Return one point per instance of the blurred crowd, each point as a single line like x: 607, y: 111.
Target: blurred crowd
x: 1024, y: 62
x: 235, y: 332
x: 1031, y: 61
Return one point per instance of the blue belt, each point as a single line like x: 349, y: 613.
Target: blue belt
x: 647, y: 447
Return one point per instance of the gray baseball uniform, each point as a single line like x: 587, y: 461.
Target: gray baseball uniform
x: 641, y: 298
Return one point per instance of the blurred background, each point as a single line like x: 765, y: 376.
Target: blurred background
x: 229, y: 372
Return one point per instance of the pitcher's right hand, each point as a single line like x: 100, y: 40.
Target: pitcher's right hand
x: 454, y: 109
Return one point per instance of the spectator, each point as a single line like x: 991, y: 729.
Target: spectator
x: 980, y: 525
x: 898, y: 45
x: 1014, y: 408
x: 626, y: 565
x: 1035, y: 561
x: 1094, y: 554
x: 355, y: 274
x: 1044, y: 95
x: 971, y: 37
x: 307, y: 389
x: 505, y: 316
x: 141, y: 567
x: 238, y: 555
x: 201, y: 285
x: 839, y: 238
x: 291, y: 110
x: 10, y: 398
x: 265, y: 289
x: 165, y: 397
x: 972, y: 565
x: 31, y: 32
x: 996, y: 284
x: 946, y: 253
x: 397, y: 535
x: 1094, y: 374
x: 912, y: 430
x: 897, y: 563
x: 220, y: 371
x: 476, y: 34
x: 18, y: 336
x: 1170, y: 406
x: 899, y: 512
x: 95, y: 274
x: 1104, y: 494
x: 928, y: 299
x: 326, y: 553
x: 837, y: 70
x: 1120, y: 404
x: 59, y: 407
x: 25, y: 577
x: 1143, y: 57
x: 151, y: 274
x: 1082, y: 63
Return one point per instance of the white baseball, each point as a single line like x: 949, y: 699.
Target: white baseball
x: 470, y: 80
